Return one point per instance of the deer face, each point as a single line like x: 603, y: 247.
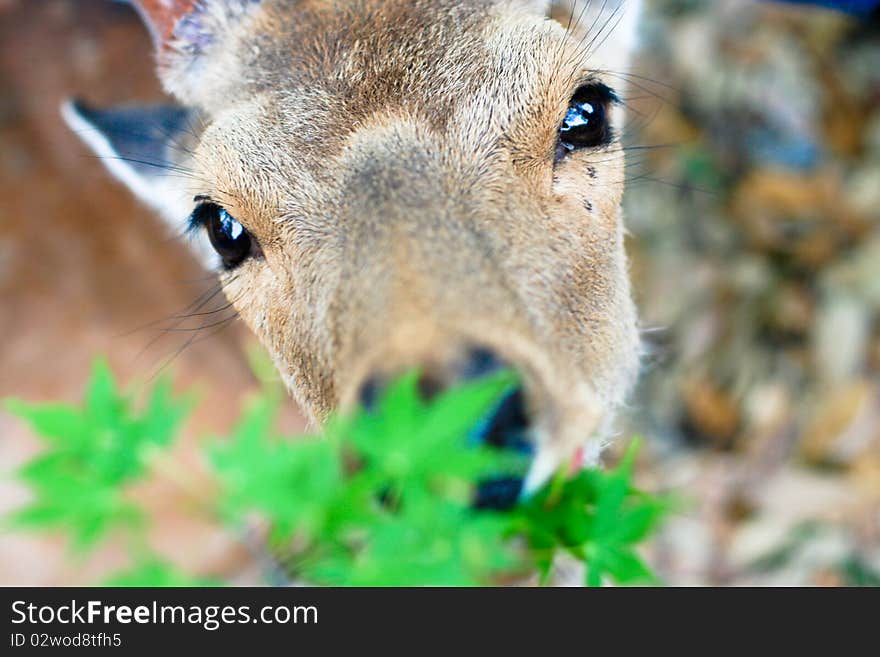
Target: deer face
x: 391, y: 184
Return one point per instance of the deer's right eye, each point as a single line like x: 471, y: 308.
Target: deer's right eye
x: 229, y: 238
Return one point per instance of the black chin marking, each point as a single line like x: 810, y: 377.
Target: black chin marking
x: 498, y: 494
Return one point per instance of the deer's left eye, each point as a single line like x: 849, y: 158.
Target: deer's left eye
x: 230, y: 239
x: 586, y: 122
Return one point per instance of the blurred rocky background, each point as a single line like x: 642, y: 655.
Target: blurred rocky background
x: 754, y: 212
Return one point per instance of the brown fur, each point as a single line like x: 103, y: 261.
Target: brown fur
x: 395, y: 161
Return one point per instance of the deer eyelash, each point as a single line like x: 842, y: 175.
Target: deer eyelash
x: 608, y: 94
x: 196, y: 219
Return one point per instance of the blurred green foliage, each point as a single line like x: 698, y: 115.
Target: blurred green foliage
x: 383, y: 498
x: 92, y: 453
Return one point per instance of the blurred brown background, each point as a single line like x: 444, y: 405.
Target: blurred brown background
x: 86, y: 270
x: 754, y: 210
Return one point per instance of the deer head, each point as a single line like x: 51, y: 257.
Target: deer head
x: 389, y: 184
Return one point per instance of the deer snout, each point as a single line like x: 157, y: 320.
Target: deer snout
x: 507, y: 425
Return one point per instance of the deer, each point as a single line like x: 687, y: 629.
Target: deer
x: 388, y: 185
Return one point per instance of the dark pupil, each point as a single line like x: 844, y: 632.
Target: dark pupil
x: 229, y: 238
x: 584, y: 125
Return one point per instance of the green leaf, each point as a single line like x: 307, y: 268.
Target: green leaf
x: 52, y: 422
x: 613, y: 492
x: 595, y: 516
x: 93, y: 453
x: 102, y: 403
x: 623, y: 566
x: 289, y: 481
x: 635, y: 524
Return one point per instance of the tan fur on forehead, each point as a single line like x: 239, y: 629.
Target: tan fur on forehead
x: 232, y: 170
x: 494, y: 72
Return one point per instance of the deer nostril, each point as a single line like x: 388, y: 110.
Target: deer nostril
x: 370, y: 391
x: 507, y: 426
x: 480, y: 362
x: 372, y: 388
x: 429, y: 387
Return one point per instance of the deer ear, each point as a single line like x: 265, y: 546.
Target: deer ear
x: 608, y: 29
x: 162, y: 16
x: 195, y: 43
x: 146, y: 149
x: 136, y: 144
